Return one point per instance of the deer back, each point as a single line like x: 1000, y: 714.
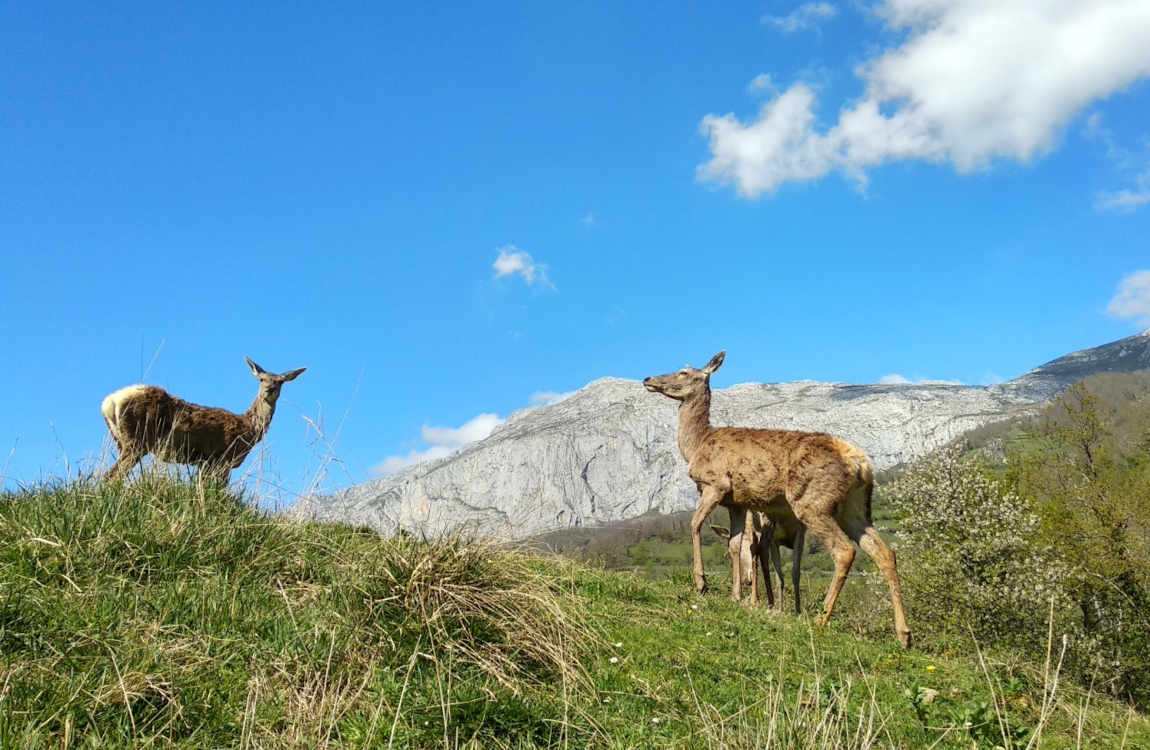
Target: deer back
x: 762, y: 469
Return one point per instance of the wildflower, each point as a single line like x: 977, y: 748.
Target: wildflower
x: 930, y: 667
x: 619, y: 644
x: 654, y: 719
x: 614, y: 659
x: 694, y: 606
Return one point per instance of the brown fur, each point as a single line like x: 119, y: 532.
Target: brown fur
x: 822, y: 482
x: 147, y: 419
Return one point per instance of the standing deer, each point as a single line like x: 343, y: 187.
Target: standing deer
x: 826, y: 483
x: 146, y: 419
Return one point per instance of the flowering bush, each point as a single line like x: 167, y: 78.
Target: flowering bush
x: 970, y: 558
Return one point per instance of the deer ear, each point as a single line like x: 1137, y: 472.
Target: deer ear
x: 722, y: 531
x: 256, y: 369
x: 293, y: 374
x: 715, y: 363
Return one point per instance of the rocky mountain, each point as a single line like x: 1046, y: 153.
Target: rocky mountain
x: 1050, y: 379
x: 609, y: 451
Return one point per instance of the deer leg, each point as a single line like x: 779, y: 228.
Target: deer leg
x: 764, y: 563
x: 125, y: 462
x: 735, y: 546
x: 841, y: 551
x: 709, y: 497
x: 800, y: 540
x: 748, y: 551
x: 764, y: 534
x: 777, y: 561
x: 872, y: 544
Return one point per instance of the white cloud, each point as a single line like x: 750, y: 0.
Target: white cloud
x: 1132, y: 300
x: 457, y: 437
x: 761, y: 82
x: 512, y: 260
x: 442, y: 442
x: 972, y: 81
x: 548, y: 398
x: 896, y: 379
x: 1126, y: 199
x: 806, y: 16
x: 589, y: 219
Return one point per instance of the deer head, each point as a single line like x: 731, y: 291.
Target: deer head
x: 270, y: 382
x: 685, y: 383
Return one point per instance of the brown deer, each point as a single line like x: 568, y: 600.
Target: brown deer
x: 826, y: 483
x: 146, y: 419
x: 766, y: 535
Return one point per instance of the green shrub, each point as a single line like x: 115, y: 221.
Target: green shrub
x: 1085, y: 468
x: 1057, y: 535
x: 970, y: 559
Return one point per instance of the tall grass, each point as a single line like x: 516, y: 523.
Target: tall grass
x: 162, y: 612
x: 170, y: 614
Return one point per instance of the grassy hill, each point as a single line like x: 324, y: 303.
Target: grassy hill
x: 163, y: 614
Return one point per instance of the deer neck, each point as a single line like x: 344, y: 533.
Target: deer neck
x: 259, y: 416
x: 694, y: 422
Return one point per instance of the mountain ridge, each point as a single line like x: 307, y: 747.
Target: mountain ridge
x: 609, y: 452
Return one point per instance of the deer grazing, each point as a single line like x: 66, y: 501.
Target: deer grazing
x: 760, y: 545
x: 826, y: 483
x: 146, y: 419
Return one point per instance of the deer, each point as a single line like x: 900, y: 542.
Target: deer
x: 824, y: 482
x: 767, y: 534
x: 147, y: 419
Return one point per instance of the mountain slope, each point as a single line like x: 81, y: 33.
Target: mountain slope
x: 1125, y: 355
x: 609, y: 451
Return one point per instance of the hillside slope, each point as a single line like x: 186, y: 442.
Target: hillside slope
x: 161, y: 614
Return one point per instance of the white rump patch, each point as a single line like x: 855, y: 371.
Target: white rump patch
x: 113, y: 405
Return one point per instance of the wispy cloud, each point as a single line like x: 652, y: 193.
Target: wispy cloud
x: 1133, y: 166
x: 1126, y: 199
x: 945, y: 94
x: 441, y: 442
x: 896, y: 379
x: 1132, y: 300
x: 806, y: 16
x: 512, y: 261
x: 761, y: 82
x: 588, y: 220
x: 548, y: 398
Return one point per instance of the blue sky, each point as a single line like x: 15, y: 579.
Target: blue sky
x: 445, y: 213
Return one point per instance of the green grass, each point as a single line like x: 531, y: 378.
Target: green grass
x: 169, y: 615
